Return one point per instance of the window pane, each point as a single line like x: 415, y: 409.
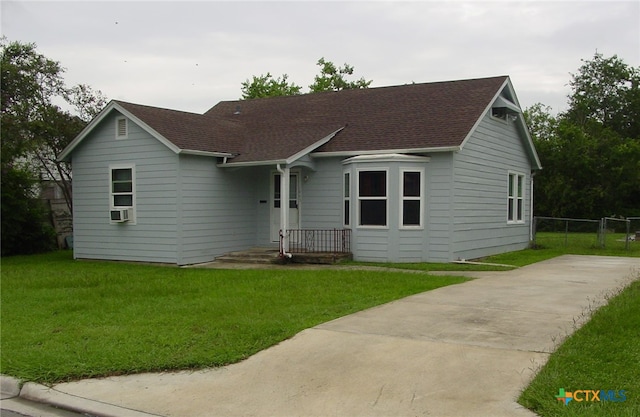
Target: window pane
x: 373, y: 212
x: 293, y: 187
x: 411, y: 213
x: 346, y: 212
x: 510, y: 213
x: 121, y: 174
x: 520, y: 206
x: 276, y: 186
x: 520, y: 184
x: 511, y: 181
x: 411, y: 184
x: 123, y: 200
x: 373, y: 184
x: 122, y: 187
x: 346, y: 185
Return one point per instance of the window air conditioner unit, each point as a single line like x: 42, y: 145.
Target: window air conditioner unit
x: 120, y: 215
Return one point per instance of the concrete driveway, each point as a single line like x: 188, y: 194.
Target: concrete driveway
x: 462, y: 350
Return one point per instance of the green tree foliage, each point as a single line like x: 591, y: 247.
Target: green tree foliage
x: 33, y: 132
x: 591, y: 153
x: 25, y: 227
x: 606, y: 91
x: 331, y: 78
x: 267, y: 86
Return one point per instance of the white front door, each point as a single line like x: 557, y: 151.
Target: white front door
x: 277, y: 201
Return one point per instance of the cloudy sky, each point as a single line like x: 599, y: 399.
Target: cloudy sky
x: 190, y: 55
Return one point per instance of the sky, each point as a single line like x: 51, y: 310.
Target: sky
x: 190, y: 55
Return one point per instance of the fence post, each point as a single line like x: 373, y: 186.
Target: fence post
x: 626, y: 243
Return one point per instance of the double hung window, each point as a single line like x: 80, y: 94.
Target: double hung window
x: 411, y: 199
x: 347, y: 196
x: 372, y: 198
x: 515, y: 198
x: 122, y: 187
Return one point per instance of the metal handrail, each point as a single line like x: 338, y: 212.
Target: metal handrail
x: 317, y: 240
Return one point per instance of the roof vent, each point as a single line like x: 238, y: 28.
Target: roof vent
x: 238, y: 108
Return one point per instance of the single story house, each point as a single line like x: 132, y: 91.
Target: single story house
x: 431, y: 172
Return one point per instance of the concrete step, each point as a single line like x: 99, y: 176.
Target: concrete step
x: 251, y: 256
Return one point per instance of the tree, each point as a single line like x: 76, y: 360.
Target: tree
x: 607, y: 91
x: 591, y: 153
x: 267, y: 86
x: 332, y: 78
x: 32, y: 134
x: 542, y: 125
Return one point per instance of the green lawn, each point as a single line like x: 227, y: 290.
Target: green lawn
x: 64, y: 319
x: 550, y: 245
x: 604, y: 354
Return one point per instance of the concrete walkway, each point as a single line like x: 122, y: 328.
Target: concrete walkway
x: 461, y: 350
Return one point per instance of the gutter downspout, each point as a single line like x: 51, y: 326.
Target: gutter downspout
x: 531, y: 217
x: 284, y: 210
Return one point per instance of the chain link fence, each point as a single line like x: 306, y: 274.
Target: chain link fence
x: 608, y: 232
x: 557, y: 232
x: 615, y: 233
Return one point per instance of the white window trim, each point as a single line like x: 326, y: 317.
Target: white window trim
x: 126, y: 128
x: 358, y: 198
x: 132, y: 167
x: 346, y: 197
x: 402, y: 199
x: 514, y: 207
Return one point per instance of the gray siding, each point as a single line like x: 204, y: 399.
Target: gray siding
x: 217, y: 212
x: 153, y: 236
x: 480, y: 225
x: 321, y: 198
x: 438, y: 213
x: 187, y: 209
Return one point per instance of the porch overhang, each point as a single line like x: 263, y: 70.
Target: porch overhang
x: 287, y: 161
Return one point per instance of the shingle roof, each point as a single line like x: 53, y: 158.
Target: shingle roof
x: 413, y: 116
x: 189, y: 131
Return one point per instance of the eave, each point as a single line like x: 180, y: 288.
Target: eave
x: 385, y: 151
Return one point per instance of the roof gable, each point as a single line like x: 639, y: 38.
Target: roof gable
x: 178, y: 131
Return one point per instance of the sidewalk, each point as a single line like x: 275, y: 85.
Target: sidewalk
x: 461, y: 350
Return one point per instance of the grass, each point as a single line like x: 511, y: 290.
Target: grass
x: 549, y: 245
x: 604, y: 354
x: 64, y: 319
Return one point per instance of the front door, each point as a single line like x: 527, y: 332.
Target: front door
x: 277, y: 201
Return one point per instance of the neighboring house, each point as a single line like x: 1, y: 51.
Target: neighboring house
x: 423, y: 172
x: 52, y: 195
